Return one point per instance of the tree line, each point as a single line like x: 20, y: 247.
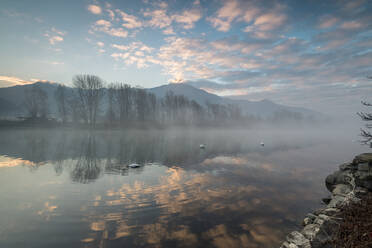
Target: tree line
x: 91, y: 102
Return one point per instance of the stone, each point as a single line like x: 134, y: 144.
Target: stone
x: 363, y: 167
x: 298, y: 239
x: 336, y: 201
x: 338, y: 177
x: 331, y: 211
x: 342, y: 189
x: 360, y: 191
x: 310, y: 231
x: 346, y: 166
x: 363, y: 158
x: 321, y: 219
x: 326, y: 200
x: 307, y: 221
x: 368, y: 185
x: 288, y: 245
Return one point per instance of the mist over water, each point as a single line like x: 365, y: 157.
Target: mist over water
x: 65, y: 188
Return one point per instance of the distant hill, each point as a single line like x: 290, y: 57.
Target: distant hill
x: 192, y: 93
x: 12, y: 100
x: 14, y: 97
x: 264, y: 108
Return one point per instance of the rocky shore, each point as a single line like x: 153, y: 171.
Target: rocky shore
x: 352, y: 181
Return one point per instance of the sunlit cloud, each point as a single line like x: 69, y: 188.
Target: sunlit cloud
x: 328, y: 21
x: 106, y: 27
x: 351, y: 25
x: 11, y: 81
x: 135, y: 53
x: 130, y: 21
x: 14, y: 162
x: 188, y: 18
x: 94, y: 9
x: 55, y: 36
x: 226, y: 15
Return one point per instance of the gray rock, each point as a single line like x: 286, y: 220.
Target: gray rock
x: 326, y: 200
x: 298, y: 239
x: 337, y: 201
x: 363, y: 158
x: 310, y: 231
x: 342, y: 189
x: 309, y: 219
x: 346, y: 166
x: 368, y: 185
x: 288, y: 245
x: 363, y: 167
x: 330, y: 211
x: 321, y: 219
x: 338, y: 177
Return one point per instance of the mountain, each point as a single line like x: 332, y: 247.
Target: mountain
x: 14, y: 97
x: 264, y: 108
x: 192, y: 93
x: 12, y: 100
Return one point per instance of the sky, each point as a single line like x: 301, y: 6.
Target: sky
x: 315, y: 54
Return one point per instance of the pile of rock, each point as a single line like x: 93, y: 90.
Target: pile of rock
x: 348, y: 184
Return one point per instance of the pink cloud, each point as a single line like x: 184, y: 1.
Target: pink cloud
x: 6, y: 81
x: 226, y: 15
x: 130, y: 21
x: 105, y: 26
x: 328, y: 22
x: 351, y: 25
x: 94, y: 9
x: 188, y: 17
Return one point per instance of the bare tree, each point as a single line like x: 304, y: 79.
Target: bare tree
x: 124, y: 100
x: 36, y: 102
x: 60, y: 96
x: 367, y: 135
x: 140, y: 101
x: 90, y: 92
x: 110, y: 114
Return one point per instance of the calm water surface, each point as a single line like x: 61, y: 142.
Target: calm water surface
x: 74, y: 189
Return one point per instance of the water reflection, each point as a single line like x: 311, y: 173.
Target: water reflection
x: 232, y: 194
x: 88, y: 166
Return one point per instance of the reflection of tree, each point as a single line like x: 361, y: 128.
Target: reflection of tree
x: 60, y: 154
x: 36, y: 148
x: 88, y: 167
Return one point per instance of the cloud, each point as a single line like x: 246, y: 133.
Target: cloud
x: 159, y: 18
x: 327, y: 21
x: 135, y: 53
x: 55, y: 39
x: 351, y: 25
x: 94, y: 9
x: 55, y: 36
x: 260, y: 20
x: 100, y: 44
x: 226, y: 15
x: 57, y: 63
x: 103, y: 23
x: 6, y: 81
x: 106, y: 27
x: 188, y: 17
x: 130, y: 21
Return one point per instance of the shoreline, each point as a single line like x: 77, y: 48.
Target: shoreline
x: 347, y: 185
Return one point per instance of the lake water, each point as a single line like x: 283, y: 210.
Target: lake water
x: 74, y: 188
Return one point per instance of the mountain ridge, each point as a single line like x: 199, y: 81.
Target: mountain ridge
x: 14, y: 97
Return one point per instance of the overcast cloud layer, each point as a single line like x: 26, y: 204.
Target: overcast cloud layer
x: 303, y: 53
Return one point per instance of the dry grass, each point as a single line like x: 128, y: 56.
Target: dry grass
x: 355, y: 230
